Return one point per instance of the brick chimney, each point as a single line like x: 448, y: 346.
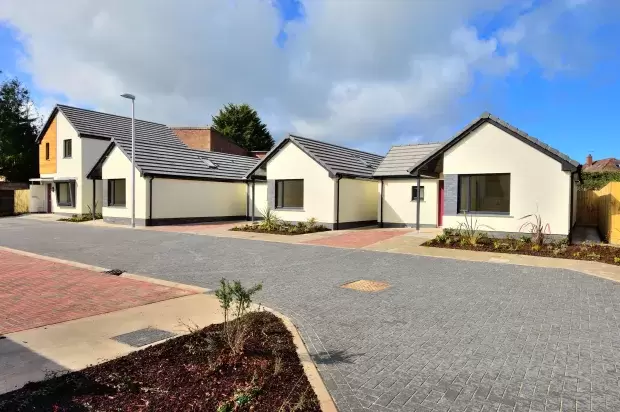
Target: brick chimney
x: 205, y: 138
x: 589, y: 160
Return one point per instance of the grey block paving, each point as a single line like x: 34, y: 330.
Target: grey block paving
x: 448, y: 335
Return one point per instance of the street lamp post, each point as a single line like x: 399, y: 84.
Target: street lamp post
x: 133, y: 157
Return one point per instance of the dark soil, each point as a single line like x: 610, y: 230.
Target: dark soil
x: 195, y: 372
x: 282, y: 231
x: 592, y: 252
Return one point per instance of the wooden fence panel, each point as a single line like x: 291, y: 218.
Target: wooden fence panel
x: 601, y: 208
x: 22, y: 201
x: 587, y: 208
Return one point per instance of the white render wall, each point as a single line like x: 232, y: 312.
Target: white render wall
x: 70, y: 168
x: 537, y: 181
x: 398, y: 208
x: 118, y: 166
x: 91, y: 152
x: 177, y: 198
x: 260, y: 203
x: 38, y: 198
x: 84, y: 154
x: 358, y: 200
x: 319, y: 189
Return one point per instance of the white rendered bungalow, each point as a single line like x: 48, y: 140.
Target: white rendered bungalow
x: 302, y: 178
x: 490, y: 171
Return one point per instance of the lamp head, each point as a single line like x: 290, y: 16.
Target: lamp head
x: 128, y: 96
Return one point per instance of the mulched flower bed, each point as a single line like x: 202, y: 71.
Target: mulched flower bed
x: 289, y: 230
x: 194, y: 372
x: 592, y: 252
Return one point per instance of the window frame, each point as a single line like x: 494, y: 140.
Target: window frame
x: 415, y: 188
x: 478, y: 212
x: 71, y: 191
x: 111, y: 197
x: 64, y: 149
x: 277, y: 192
x: 47, y: 151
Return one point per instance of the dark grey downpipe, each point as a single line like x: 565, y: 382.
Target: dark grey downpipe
x: 247, y: 201
x: 338, y: 203
x: 381, y: 206
x: 151, y: 201
x: 417, y: 217
x: 253, y: 197
x: 95, y: 198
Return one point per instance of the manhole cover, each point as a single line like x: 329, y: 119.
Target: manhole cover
x: 142, y: 337
x: 366, y: 285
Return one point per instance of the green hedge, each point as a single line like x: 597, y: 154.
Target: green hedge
x: 598, y: 180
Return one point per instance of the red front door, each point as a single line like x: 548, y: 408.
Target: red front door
x: 440, y: 205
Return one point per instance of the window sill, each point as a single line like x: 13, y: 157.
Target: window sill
x: 421, y: 201
x: 67, y: 157
x: 118, y: 206
x: 65, y: 205
x: 290, y: 209
x: 484, y: 214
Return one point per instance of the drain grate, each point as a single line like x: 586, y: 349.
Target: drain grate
x: 142, y: 337
x: 366, y: 285
x: 115, y: 272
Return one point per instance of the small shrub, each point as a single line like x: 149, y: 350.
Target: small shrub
x: 577, y: 254
x: 225, y: 407
x: 497, y: 244
x: 441, y: 238
x: 311, y: 224
x: 525, y: 239
x: 270, y: 221
x: 617, y: 260
x: 594, y: 256
x: 448, y: 242
x: 235, y: 300
x: 536, y: 227
x: 535, y: 247
x: 556, y: 251
x: 471, y: 232
x: 448, y: 232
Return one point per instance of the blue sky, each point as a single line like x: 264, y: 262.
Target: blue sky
x: 574, y: 110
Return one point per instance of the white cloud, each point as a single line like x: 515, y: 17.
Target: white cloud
x: 367, y: 73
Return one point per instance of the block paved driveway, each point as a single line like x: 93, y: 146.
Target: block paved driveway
x: 448, y: 335
x: 36, y: 292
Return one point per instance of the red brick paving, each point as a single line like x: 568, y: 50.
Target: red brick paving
x: 358, y: 239
x: 37, y: 292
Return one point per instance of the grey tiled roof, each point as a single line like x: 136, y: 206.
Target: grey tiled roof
x: 158, y: 150
x: 337, y: 160
x: 567, y: 162
x: 110, y: 126
x: 181, y: 161
x: 400, y: 158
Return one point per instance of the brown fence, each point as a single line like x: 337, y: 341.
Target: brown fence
x: 601, y: 208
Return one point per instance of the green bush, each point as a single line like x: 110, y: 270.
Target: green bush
x: 598, y: 180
